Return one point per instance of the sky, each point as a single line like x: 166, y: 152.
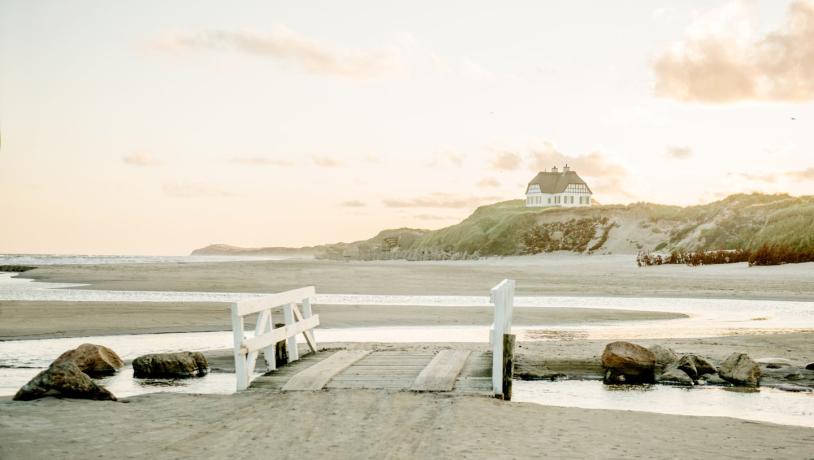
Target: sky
x: 153, y: 127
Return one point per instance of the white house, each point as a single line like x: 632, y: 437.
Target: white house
x: 556, y: 188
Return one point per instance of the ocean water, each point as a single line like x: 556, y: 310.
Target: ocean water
x: 71, y: 259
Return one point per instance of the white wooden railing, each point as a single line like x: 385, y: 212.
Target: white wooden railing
x: 502, y: 297
x: 265, y: 335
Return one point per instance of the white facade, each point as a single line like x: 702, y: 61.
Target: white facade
x: 565, y: 189
x: 566, y: 200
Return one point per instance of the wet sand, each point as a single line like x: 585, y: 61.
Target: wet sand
x: 550, y: 274
x: 373, y: 424
x: 31, y: 320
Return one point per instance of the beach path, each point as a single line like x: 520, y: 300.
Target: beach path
x: 417, y: 370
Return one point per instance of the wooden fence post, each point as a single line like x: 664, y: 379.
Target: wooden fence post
x: 508, y: 365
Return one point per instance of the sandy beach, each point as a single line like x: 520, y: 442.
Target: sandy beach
x: 376, y: 424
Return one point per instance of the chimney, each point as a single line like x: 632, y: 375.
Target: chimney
x: 565, y: 168
x: 554, y: 169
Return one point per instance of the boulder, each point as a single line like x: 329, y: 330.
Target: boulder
x: 740, y: 369
x: 712, y: 379
x: 810, y: 366
x: 664, y: 356
x: 675, y: 376
x: 696, y: 366
x: 182, y: 365
x: 94, y: 360
x: 625, y: 362
x: 63, y: 380
x: 774, y: 363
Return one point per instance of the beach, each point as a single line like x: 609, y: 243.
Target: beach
x: 375, y: 423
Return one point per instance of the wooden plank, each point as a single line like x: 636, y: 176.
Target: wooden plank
x: 309, y: 334
x: 441, y: 373
x: 280, y: 333
x: 318, y: 375
x: 288, y: 317
x: 309, y: 337
x: 249, y: 306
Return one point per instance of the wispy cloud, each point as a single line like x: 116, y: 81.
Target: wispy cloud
x: 141, y: 159
x: 488, y: 182
x: 447, y: 159
x: 506, y: 161
x: 772, y: 177
x: 195, y: 190
x: 719, y: 60
x: 326, y: 162
x: 353, y: 204
x: 607, y: 176
x: 679, y: 153
x: 287, y: 46
x: 260, y: 161
x: 440, y: 200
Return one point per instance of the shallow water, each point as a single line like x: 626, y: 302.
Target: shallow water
x: 765, y: 405
x: 22, y: 359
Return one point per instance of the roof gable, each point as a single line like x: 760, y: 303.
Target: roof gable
x: 556, y: 182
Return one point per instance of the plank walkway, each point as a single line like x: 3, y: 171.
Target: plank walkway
x: 458, y: 371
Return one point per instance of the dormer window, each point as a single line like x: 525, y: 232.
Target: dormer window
x: 534, y: 188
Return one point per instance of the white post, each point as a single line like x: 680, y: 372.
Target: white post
x: 306, y: 313
x: 269, y: 352
x: 240, y: 357
x: 502, y: 297
x: 288, y: 316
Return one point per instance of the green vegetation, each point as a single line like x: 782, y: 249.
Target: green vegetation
x: 743, y: 222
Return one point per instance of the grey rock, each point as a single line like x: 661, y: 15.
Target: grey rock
x: 774, y: 363
x: 625, y: 362
x: 675, y: 376
x: 63, y: 380
x: 712, y: 379
x: 740, y: 369
x: 664, y: 356
x: 183, y: 364
x: 94, y: 360
x: 696, y: 366
x: 793, y: 388
x: 810, y: 366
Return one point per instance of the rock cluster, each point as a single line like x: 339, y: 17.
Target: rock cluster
x: 69, y: 376
x: 625, y: 362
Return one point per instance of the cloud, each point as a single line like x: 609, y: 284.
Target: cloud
x: 447, y: 159
x: 141, y: 159
x: 488, y: 182
x: 326, y: 162
x: 260, y: 161
x: 287, y: 46
x: 431, y: 217
x: 679, y: 153
x: 353, y: 204
x: 806, y: 174
x: 719, y: 60
x: 606, y: 176
x: 506, y: 161
x: 441, y: 200
x: 772, y: 177
x: 195, y: 190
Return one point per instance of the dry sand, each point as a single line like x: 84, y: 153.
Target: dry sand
x: 372, y: 424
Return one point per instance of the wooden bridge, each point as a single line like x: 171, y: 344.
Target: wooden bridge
x: 448, y: 370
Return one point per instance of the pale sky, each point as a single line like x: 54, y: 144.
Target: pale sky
x: 154, y: 127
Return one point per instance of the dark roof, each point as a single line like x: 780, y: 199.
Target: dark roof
x: 556, y: 182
